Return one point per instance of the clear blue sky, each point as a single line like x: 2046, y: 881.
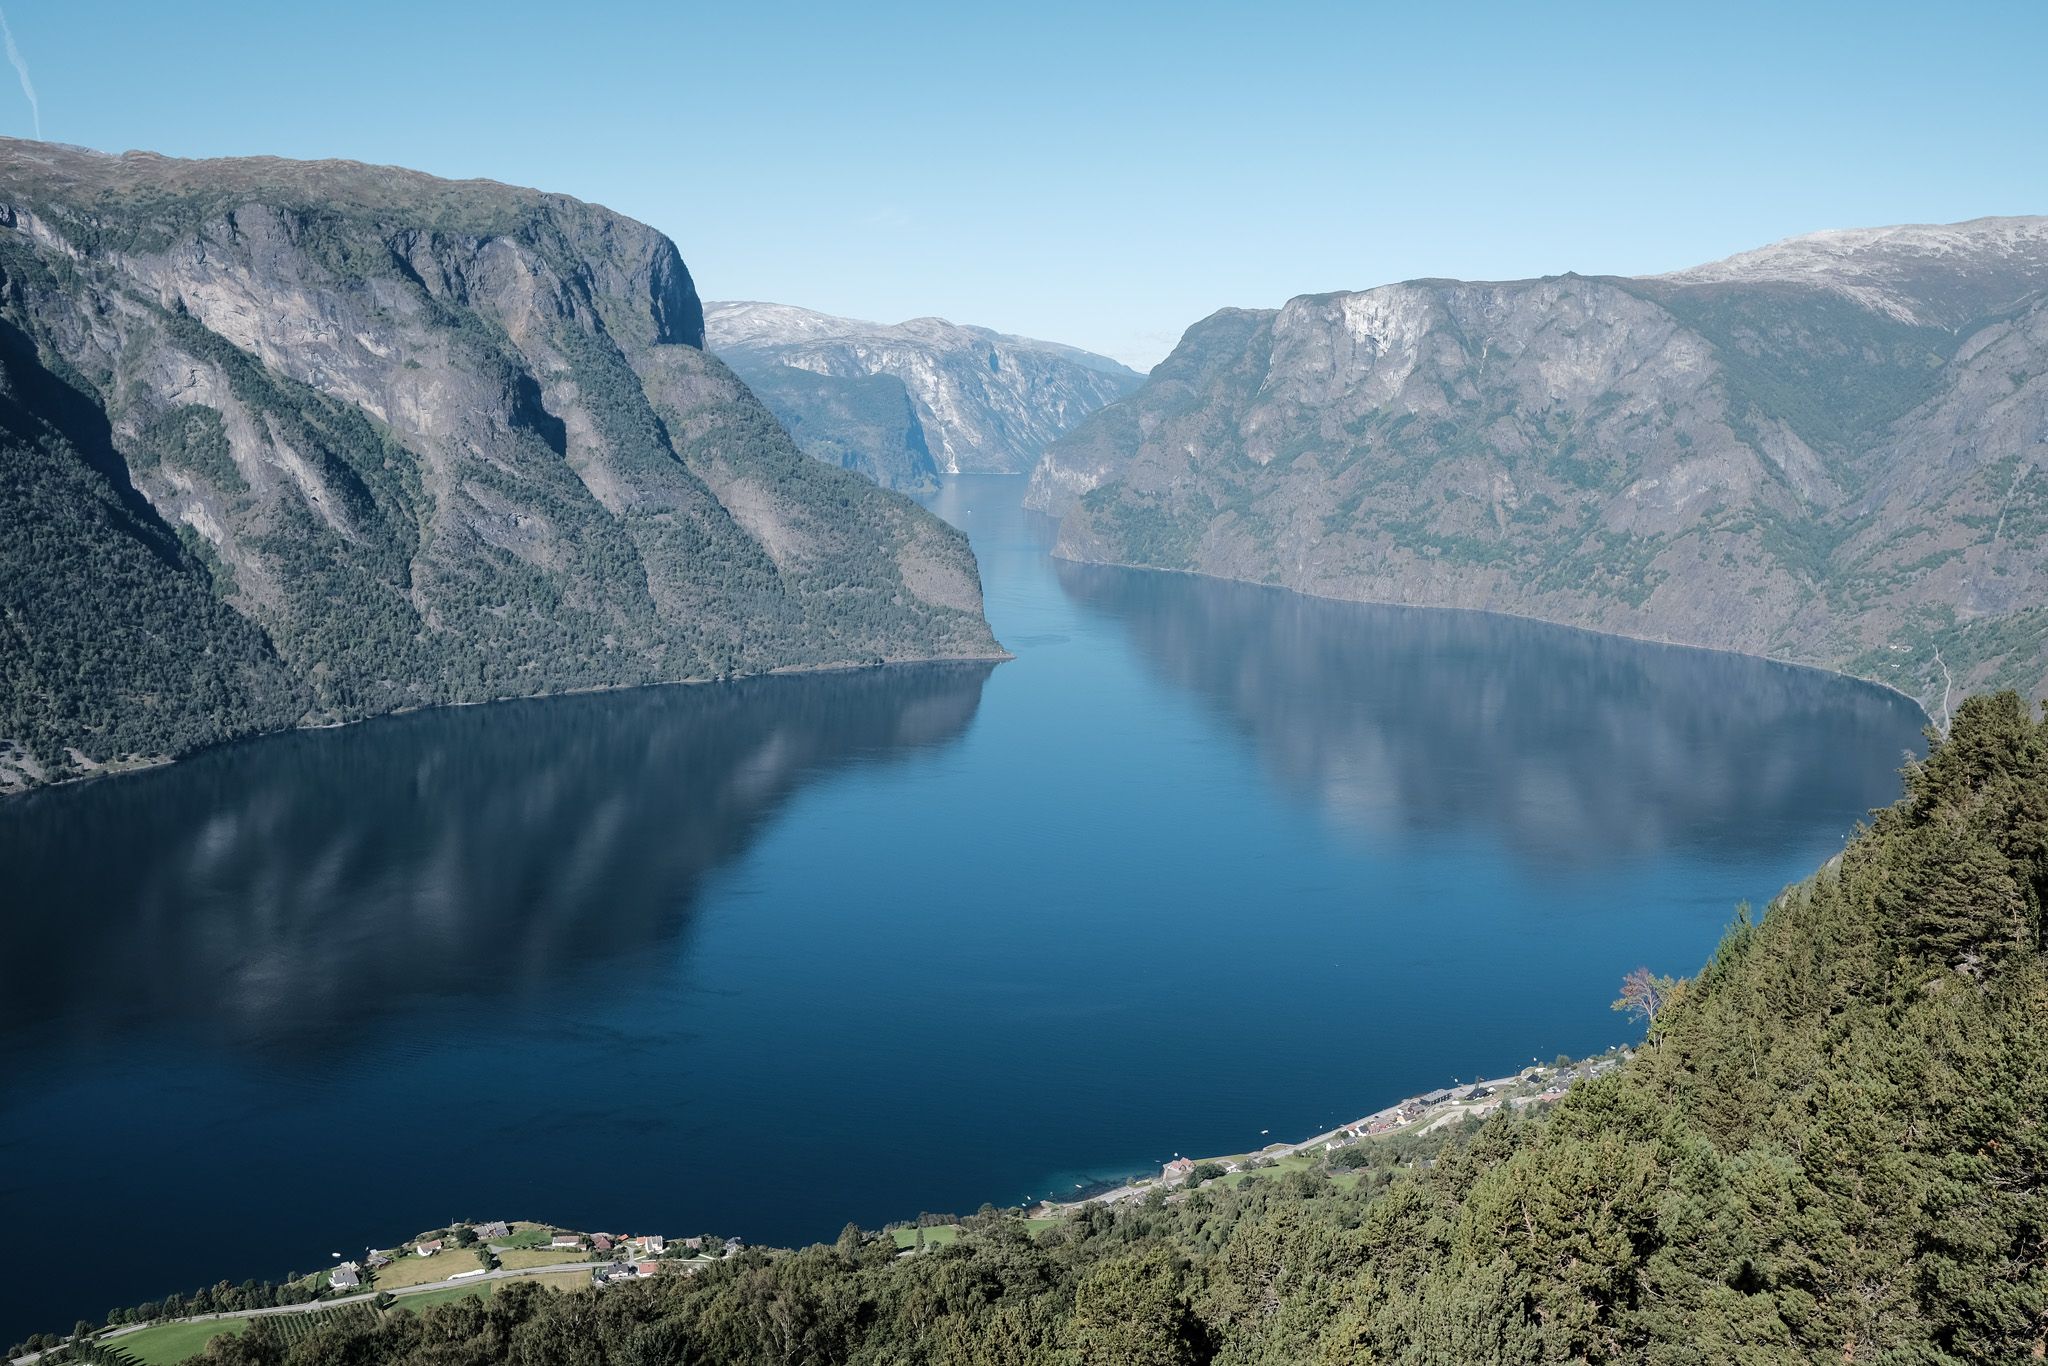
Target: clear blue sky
x: 1104, y: 174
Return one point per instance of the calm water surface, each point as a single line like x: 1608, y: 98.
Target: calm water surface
x: 1204, y: 860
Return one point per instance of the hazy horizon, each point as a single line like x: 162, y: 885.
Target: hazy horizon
x: 1101, y: 179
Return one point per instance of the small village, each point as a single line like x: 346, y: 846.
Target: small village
x: 1533, y: 1085
x: 465, y: 1259
x: 460, y: 1260
x: 499, y: 1248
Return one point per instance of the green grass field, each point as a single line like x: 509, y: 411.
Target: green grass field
x: 940, y: 1236
x: 526, y: 1236
x: 174, y: 1342
x: 415, y: 1270
x: 1294, y: 1163
x: 947, y: 1233
x: 518, y: 1259
x: 420, y: 1300
x: 561, y: 1280
x: 171, y: 1343
x: 564, y: 1280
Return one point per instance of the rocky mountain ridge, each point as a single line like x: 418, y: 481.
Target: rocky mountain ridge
x: 1829, y: 451
x: 980, y: 401
x: 290, y: 443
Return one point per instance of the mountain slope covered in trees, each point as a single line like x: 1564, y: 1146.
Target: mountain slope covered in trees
x: 300, y: 442
x: 1832, y: 1146
x: 1828, y: 451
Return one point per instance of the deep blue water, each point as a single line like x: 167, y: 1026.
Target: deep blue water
x: 1203, y: 860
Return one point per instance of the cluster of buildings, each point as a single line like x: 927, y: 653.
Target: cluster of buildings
x: 1482, y: 1097
x: 1471, y: 1098
x: 1417, y: 1107
x: 497, y: 1236
x: 610, y: 1272
x: 627, y: 1258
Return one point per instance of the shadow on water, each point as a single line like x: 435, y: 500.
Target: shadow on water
x: 643, y: 957
x: 1569, y: 744
x: 274, y: 894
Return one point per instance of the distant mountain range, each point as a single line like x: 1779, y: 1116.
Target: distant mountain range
x: 905, y: 403
x: 289, y: 443
x: 1833, y: 450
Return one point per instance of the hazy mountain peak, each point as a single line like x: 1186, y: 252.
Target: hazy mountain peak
x: 745, y: 322
x: 981, y: 400
x: 1909, y: 271
x: 1834, y: 249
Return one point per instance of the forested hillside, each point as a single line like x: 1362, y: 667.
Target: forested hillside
x: 302, y: 442
x: 1831, y: 1147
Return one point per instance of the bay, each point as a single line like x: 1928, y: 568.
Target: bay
x: 1203, y: 861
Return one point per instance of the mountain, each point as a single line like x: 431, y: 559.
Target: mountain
x: 1829, y: 1147
x: 292, y: 443
x: 1829, y: 451
x: 979, y: 401
x: 863, y: 423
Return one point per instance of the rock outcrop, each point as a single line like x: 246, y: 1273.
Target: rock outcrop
x: 1832, y: 451
x: 293, y: 443
x: 980, y: 401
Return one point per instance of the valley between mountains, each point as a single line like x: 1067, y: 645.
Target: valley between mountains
x: 299, y: 443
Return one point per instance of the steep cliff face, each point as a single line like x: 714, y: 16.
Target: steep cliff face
x: 1830, y: 451
x: 984, y: 402
x: 863, y: 423
x: 294, y: 443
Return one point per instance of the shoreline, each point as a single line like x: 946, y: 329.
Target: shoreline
x: 117, y: 768
x: 1411, y: 1116
x: 1829, y: 670
x: 592, y: 1259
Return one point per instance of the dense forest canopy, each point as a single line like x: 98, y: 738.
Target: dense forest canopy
x: 1830, y: 1147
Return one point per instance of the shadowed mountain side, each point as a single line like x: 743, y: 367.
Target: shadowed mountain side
x: 290, y: 887
x: 863, y: 423
x: 289, y: 443
x: 1391, y: 718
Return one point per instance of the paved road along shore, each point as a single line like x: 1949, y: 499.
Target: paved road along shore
x: 501, y: 1274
